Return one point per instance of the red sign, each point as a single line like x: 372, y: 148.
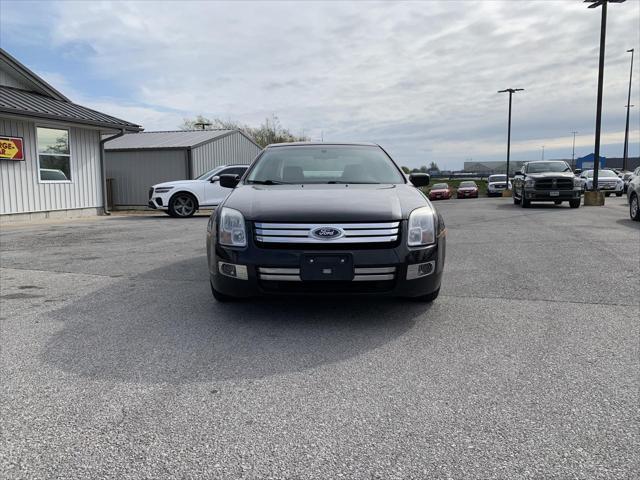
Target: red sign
x: 11, y: 148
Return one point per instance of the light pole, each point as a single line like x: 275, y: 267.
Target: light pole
x: 625, y: 157
x: 573, y: 152
x: 603, y: 34
x: 542, y: 152
x: 511, y: 92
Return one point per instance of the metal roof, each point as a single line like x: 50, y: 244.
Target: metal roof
x: 160, y: 140
x: 20, y: 102
x: 37, y: 84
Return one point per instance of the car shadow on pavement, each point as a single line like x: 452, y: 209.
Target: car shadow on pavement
x: 627, y: 222
x: 165, y: 327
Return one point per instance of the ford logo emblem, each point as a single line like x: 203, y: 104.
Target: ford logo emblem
x: 327, y: 233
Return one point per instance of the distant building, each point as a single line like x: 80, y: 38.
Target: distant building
x: 50, y: 149
x: 587, y: 162
x: 136, y: 161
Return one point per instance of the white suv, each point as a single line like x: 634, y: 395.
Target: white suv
x: 182, y: 198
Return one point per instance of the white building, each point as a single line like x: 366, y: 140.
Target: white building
x: 51, y: 153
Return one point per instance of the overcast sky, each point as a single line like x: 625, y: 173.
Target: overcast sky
x: 419, y: 78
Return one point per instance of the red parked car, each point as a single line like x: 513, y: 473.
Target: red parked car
x: 468, y: 189
x: 440, y: 191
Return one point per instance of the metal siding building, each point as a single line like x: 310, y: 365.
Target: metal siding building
x: 29, y: 107
x: 137, y: 161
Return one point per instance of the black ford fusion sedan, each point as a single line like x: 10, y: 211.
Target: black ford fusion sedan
x: 317, y: 218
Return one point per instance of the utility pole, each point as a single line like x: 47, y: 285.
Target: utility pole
x: 511, y: 92
x: 625, y: 157
x: 573, y: 152
x: 542, y: 152
x: 603, y: 34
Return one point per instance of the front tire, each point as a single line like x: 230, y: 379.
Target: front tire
x: 618, y: 194
x: 634, y: 208
x: 525, y: 203
x: 575, y: 203
x: 182, y: 205
x: 516, y: 200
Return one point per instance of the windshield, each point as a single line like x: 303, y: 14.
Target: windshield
x: 602, y: 173
x: 497, y: 178
x: 325, y: 164
x: 440, y: 186
x: 542, y: 167
x: 467, y: 184
x: 206, y: 175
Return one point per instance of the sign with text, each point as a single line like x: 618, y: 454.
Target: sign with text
x: 11, y: 148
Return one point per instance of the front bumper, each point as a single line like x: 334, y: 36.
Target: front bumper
x: 551, y: 195
x: 393, y: 262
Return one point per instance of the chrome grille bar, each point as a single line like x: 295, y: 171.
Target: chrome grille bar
x: 362, y: 274
x: 383, y: 232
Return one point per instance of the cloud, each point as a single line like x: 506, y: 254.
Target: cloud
x: 420, y: 78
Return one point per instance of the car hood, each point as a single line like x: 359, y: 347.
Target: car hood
x: 325, y: 203
x: 177, y: 183
x: 537, y: 176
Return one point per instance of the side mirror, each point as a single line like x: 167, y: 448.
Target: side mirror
x: 214, y: 179
x: 419, y: 179
x: 577, y: 171
x: 229, y: 181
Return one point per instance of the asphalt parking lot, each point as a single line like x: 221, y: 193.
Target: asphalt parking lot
x: 117, y: 363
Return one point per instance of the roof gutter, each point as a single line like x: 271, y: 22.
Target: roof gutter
x: 103, y: 171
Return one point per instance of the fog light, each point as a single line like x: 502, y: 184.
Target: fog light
x: 234, y: 271
x: 420, y: 270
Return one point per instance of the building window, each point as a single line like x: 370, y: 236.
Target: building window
x: 54, y: 155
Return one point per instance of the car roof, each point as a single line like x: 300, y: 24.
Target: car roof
x: 325, y: 144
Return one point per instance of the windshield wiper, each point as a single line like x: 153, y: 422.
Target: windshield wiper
x: 267, y: 182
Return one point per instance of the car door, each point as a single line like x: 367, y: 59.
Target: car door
x: 213, y: 192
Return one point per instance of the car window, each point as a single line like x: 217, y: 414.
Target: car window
x: 542, y: 167
x: 325, y: 164
x: 233, y: 171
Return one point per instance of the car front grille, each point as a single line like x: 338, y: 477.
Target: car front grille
x: 351, y: 234
x: 554, y: 184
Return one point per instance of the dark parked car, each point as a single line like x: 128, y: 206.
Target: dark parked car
x: 325, y: 219
x: 468, y: 189
x: 440, y: 191
x: 546, y: 181
x: 633, y: 195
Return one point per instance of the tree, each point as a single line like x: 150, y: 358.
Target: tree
x: 406, y: 169
x: 434, y: 167
x: 270, y: 131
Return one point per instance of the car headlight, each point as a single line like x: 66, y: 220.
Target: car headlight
x: 232, y: 231
x: 421, y: 227
x: 163, y: 189
x: 530, y: 183
x: 577, y: 182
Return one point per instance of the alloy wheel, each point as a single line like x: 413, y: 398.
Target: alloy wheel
x: 184, y: 205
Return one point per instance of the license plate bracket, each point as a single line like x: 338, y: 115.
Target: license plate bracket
x: 554, y: 194
x: 327, y: 267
